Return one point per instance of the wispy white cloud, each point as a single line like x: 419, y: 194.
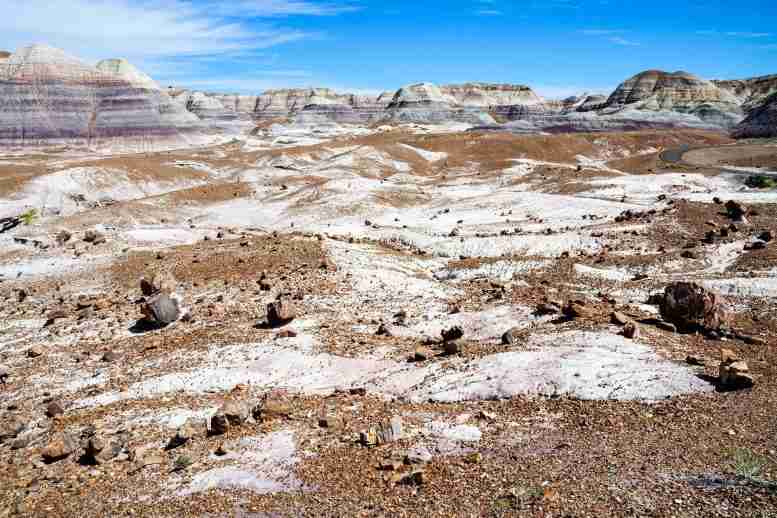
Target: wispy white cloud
x: 623, y: 42
x: 150, y: 29
x: 612, y: 35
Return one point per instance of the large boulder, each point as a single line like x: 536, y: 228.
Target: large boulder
x: 689, y: 305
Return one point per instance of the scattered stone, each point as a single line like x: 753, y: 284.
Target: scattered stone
x: 162, y: 309
x: 688, y: 305
x: 418, y: 456
x: 54, y: 409
x: 61, y: 446
x: 619, y: 319
x: 421, y: 354
x: 280, y: 313
x: 577, y: 309
x: 766, y: 236
x: 689, y: 254
x: 189, y: 430
x: 110, y: 357
x: 98, y: 450
x: 157, y: 284
x: 34, y: 351
x: 4, y: 374
x: 548, y: 308
x: 733, y: 372
x: 386, y: 432
x: 453, y: 333
x: 328, y: 265
x: 414, y: 478
x: 271, y: 408
x: 452, y: 347
x: 695, y: 360
x: 631, y: 330
x: 11, y: 427
x: 511, y: 336
x: 94, y: 237
x: 62, y: 237
x: 756, y: 245
x: 736, y: 211
x: 286, y: 333
x: 383, y: 330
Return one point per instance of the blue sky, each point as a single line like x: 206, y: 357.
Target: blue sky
x: 558, y: 47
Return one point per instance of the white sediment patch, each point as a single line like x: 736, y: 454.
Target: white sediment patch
x: 429, y: 156
x: 500, y: 270
x: 487, y: 325
x: 52, y: 265
x: 262, y: 465
x: 608, y: 274
x: 585, y: 365
x: 744, y: 287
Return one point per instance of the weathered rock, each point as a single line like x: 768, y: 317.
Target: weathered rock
x: 280, y: 312
x: 54, y: 409
x: 11, y: 427
x: 761, y: 121
x: 271, y: 408
x: 191, y: 429
x: 162, y: 309
x: 100, y: 450
x: 577, y: 309
x: 454, y: 333
x: 695, y: 360
x: 386, y: 432
x: 736, y: 211
x: 4, y: 374
x: 383, y: 330
x: 687, y: 304
x: 631, y: 330
x: 110, y: 357
x: 61, y: 446
x: 452, y: 347
x: 157, y: 283
x: 421, y: 354
x: 35, y: 351
x: 511, y: 336
x: 94, y: 237
x: 63, y: 237
x: 548, y: 308
x: 733, y: 372
x: 619, y: 319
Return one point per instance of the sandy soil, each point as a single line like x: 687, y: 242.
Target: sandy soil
x: 381, y: 240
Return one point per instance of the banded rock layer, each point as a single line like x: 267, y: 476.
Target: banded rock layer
x: 761, y: 122
x: 48, y: 97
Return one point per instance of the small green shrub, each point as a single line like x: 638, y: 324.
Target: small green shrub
x: 747, y: 463
x: 761, y: 182
x: 29, y: 217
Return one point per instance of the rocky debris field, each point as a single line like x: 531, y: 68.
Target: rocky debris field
x: 410, y: 321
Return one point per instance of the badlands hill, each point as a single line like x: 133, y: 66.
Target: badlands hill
x: 761, y: 122
x: 50, y: 97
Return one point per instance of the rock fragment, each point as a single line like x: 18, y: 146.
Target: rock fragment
x: 54, y: 409
x: 454, y: 333
x: 11, y: 427
x: 689, y: 305
x: 94, y: 237
x: 384, y: 433
x: 61, y: 446
x: 280, y: 312
x: 511, y: 336
x: 734, y: 373
x: 162, y: 309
